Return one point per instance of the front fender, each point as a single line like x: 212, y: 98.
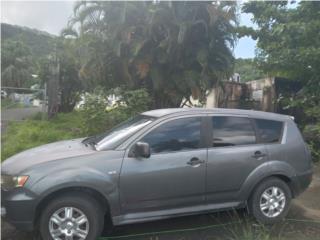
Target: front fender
x: 265, y: 170
x: 93, y: 179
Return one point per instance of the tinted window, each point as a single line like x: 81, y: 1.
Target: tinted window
x: 232, y: 131
x: 175, y: 135
x: 269, y: 130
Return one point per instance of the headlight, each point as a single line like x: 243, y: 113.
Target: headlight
x: 8, y: 182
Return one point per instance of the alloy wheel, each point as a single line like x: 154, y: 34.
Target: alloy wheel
x: 68, y: 223
x: 272, y: 202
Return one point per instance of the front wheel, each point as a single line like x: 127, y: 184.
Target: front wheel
x: 270, y: 201
x: 72, y: 217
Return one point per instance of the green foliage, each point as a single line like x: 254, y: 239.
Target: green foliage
x: 248, y: 70
x: 21, y: 51
x: 8, y: 103
x: 311, y: 131
x: 40, y: 43
x: 289, y: 46
x: 16, y: 64
x: 93, y: 118
x: 173, y: 49
x: 69, y: 81
x: 70, y: 85
x: 288, y: 41
x: 288, y: 38
x: 31, y: 133
x: 99, y: 118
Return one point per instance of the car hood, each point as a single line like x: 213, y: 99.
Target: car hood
x: 45, y: 153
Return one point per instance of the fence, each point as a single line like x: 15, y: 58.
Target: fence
x: 18, y: 104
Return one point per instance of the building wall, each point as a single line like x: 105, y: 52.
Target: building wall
x: 257, y: 94
x: 263, y: 92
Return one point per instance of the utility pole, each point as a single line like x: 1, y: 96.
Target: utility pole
x: 53, y: 86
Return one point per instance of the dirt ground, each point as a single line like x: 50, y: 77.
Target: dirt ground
x: 303, y: 222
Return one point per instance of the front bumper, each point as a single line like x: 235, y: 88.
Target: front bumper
x: 18, y: 208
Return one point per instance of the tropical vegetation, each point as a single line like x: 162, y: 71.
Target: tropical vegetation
x: 288, y: 41
x: 248, y: 70
x: 173, y: 49
x: 155, y: 54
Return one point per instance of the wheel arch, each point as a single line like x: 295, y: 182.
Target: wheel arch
x: 101, y: 199
x: 282, y: 177
x: 277, y: 169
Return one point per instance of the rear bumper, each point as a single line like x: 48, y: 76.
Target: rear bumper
x: 18, y: 208
x: 301, y: 182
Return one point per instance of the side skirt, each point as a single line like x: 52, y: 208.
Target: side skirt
x: 171, y: 213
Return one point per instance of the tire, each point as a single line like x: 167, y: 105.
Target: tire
x: 274, y: 209
x: 84, y: 207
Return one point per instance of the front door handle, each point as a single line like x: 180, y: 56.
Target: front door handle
x: 259, y: 155
x: 195, y: 162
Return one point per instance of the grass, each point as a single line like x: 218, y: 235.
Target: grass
x: 23, y: 135
x: 252, y: 231
x: 286, y: 230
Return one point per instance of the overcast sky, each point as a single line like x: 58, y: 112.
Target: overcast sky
x: 52, y: 16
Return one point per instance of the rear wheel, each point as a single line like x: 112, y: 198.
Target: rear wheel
x: 270, y: 201
x: 72, y: 217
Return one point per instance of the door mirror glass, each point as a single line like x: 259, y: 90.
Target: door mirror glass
x: 142, y: 149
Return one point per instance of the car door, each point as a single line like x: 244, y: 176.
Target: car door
x: 174, y: 175
x: 232, y: 155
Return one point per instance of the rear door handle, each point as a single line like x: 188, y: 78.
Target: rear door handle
x: 259, y: 155
x: 195, y: 162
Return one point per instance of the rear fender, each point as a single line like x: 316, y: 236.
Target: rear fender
x: 265, y: 170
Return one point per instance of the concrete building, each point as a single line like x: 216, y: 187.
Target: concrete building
x: 259, y: 94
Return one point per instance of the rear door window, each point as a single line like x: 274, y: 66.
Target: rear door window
x: 232, y: 131
x: 270, y: 131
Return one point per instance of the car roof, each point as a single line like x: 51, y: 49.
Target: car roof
x: 159, y: 113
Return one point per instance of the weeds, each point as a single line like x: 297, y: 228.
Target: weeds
x: 31, y: 133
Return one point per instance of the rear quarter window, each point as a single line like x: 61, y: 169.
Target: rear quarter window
x: 269, y: 131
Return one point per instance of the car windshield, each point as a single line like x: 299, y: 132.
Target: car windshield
x: 118, y: 134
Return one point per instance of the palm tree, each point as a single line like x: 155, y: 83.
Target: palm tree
x: 174, y: 49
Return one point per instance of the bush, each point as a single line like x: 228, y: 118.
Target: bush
x: 99, y: 117
x: 312, y: 136
x: 305, y: 108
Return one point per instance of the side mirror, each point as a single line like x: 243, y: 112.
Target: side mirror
x: 142, y: 149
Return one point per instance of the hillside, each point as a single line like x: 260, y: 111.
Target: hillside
x: 40, y: 43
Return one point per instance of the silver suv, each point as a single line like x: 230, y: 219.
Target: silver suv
x: 160, y: 164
